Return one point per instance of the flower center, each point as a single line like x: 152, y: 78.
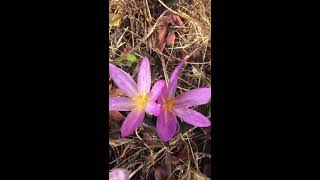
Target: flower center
x: 140, y: 101
x: 168, y: 104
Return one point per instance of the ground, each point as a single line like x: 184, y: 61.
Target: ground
x: 166, y: 32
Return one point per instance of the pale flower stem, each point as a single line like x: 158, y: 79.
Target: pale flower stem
x: 135, y: 171
x: 138, y: 134
x: 164, y: 71
x: 142, y: 140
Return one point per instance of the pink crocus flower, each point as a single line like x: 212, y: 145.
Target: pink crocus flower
x: 178, y: 106
x: 140, y: 99
x: 119, y: 174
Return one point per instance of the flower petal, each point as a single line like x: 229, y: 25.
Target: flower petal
x: 120, y: 104
x: 172, y: 86
x: 123, y: 80
x: 193, y: 97
x: 166, y: 125
x: 132, y: 122
x: 153, y: 108
x: 162, y: 95
x: 192, y: 117
x: 119, y: 174
x: 156, y: 90
x: 144, y: 76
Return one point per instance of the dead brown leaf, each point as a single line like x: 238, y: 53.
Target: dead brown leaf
x: 164, y: 21
x: 162, y: 172
x: 183, y: 154
x: 171, y: 160
x: 162, y: 33
x: 115, y: 115
x: 176, y: 20
x: 163, y: 37
x: 170, y: 39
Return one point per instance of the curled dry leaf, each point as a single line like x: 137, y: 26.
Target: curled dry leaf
x: 170, y: 39
x: 162, y: 33
x: 171, y: 160
x: 164, y: 21
x: 115, y: 115
x: 174, y: 19
x: 183, y: 154
x: 162, y: 172
x: 163, y: 38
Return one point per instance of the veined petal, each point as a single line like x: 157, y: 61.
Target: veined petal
x: 153, y: 108
x: 144, y: 76
x: 156, y: 90
x: 132, y: 122
x: 166, y: 125
x: 193, y: 97
x: 120, y: 104
x: 172, y: 86
x: 119, y: 174
x: 123, y: 80
x: 192, y: 117
x: 162, y: 95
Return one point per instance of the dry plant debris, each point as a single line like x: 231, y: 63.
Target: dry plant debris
x: 165, y: 31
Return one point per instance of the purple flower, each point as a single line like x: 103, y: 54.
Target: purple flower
x: 119, y: 174
x: 178, y: 106
x: 140, y: 99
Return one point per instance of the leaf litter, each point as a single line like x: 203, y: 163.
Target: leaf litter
x: 165, y: 32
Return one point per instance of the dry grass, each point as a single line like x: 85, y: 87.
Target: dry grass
x: 140, y: 153
x: 138, y: 30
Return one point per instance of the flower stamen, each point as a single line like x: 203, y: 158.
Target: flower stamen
x: 168, y: 104
x: 140, y: 101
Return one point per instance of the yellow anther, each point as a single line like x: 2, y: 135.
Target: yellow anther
x: 168, y: 104
x: 140, y: 101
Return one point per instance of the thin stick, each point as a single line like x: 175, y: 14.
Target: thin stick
x: 135, y: 171
x: 164, y: 71
x: 125, y: 30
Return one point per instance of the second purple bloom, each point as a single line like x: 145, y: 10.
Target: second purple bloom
x: 179, y: 106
